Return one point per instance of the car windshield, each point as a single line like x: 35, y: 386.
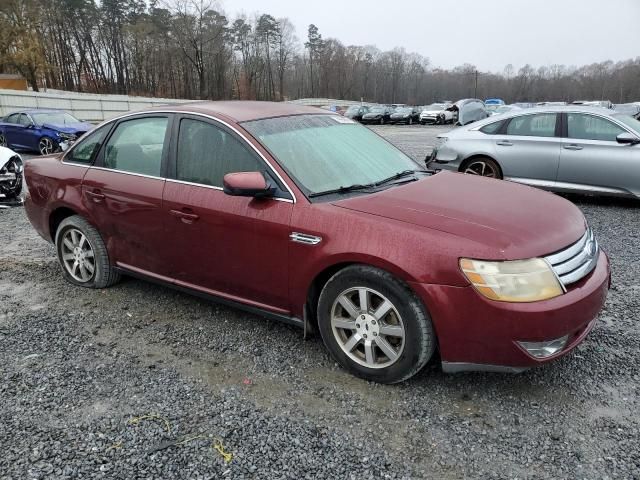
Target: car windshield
x: 58, y: 118
x: 377, y: 110
x: 326, y: 152
x: 629, y: 122
x: 404, y: 110
x: 353, y: 109
x: 435, y: 106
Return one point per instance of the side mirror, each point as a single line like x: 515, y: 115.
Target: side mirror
x: 247, y: 184
x: 627, y: 139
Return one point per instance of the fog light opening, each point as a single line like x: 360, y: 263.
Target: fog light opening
x: 544, y: 349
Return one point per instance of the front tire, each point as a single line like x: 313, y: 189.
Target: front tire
x: 382, y: 121
x: 374, y: 325
x: 83, y: 255
x: 46, y: 146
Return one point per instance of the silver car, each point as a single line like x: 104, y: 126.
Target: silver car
x: 566, y: 149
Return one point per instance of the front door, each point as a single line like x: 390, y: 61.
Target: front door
x: 236, y: 247
x: 123, y: 192
x: 591, y: 157
x: 529, y: 151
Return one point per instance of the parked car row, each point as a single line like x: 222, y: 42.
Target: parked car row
x: 461, y: 112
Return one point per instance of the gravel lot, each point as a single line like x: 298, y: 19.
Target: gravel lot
x: 79, y: 367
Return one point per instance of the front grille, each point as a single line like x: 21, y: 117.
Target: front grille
x: 576, y: 261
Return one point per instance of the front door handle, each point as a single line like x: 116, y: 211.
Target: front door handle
x: 96, y: 196
x: 572, y: 146
x: 504, y: 143
x: 185, y: 217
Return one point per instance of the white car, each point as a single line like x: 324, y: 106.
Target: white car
x: 10, y: 176
x: 436, y: 113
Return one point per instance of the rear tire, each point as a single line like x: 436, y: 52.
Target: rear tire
x: 382, y: 121
x: 482, y: 166
x: 383, y: 334
x: 83, y: 255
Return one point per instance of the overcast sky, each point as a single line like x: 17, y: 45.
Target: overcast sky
x: 487, y: 33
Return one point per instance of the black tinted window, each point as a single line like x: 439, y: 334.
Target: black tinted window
x: 84, y: 151
x: 207, y: 153
x: 541, y: 125
x: 136, y: 146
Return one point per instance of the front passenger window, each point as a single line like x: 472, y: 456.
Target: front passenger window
x: 207, y: 153
x: 136, y: 146
x: 590, y: 127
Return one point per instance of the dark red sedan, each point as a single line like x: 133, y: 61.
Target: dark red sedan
x: 310, y: 218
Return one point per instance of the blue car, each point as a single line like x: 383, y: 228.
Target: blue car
x: 44, y: 131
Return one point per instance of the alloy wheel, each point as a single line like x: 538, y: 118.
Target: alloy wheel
x: 77, y: 254
x: 482, y: 168
x: 46, y: 146
x: 367, y: 327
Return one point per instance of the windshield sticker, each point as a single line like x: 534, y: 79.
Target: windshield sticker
x: 340, y: 119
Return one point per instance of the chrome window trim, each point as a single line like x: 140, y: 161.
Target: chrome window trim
x: 214, y: 187
x: 198, y: 114
x: 126, y: 173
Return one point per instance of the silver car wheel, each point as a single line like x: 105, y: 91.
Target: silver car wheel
x: 482, y: 169
x: 367, y: 327
x: 46, y: 146
x: 78, y: 257
x: 3, y: 141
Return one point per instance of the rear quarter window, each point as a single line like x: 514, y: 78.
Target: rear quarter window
x: 492, y: 128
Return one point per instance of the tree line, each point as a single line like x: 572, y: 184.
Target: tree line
x: 190, y: 49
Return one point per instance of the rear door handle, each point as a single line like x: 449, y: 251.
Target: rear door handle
x: 96, y: 196
x: 504, y: 143
x: 185, y: 217
x: 572, y: 147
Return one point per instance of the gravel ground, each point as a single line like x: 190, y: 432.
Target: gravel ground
x: 78, y: 368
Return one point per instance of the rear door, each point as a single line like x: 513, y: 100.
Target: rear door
x: 236, y: 247
x: 9, y: 129
x: 592, y: 159
x: 123, y: 192
x: 528, y: 149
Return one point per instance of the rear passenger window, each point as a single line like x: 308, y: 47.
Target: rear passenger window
x: 84, y: 151
x: 136, y: 146
x: 541, y: 125
x: 492, y: 127
x: 207, y: 153
x: 589, y: 127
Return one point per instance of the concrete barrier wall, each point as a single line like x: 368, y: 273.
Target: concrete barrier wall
x: 85, y: 106
x: 96, y: 108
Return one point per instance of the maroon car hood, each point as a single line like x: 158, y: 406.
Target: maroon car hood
x: 514, y: 220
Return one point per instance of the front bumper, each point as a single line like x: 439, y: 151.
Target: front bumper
x: 475, y: 333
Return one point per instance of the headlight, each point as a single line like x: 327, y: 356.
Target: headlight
x: 66, y: 136
x: 440, y: 141
x: 512, y: 281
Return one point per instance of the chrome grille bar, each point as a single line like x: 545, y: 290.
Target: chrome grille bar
x: 576, y: 261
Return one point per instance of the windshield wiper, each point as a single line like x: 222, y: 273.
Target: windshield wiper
x: 350, y: 188
x: 402, y: 174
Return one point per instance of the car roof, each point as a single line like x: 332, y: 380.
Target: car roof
x: 38, y: 110
x: 243, y: 111
x: 549, y: 109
